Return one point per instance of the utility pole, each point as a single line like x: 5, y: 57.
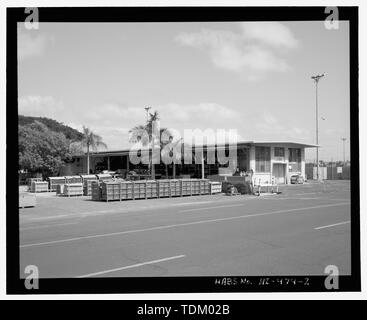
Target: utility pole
x: 343, y: 139
x: 316, y: 80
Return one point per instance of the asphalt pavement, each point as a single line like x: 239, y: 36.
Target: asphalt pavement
x: 298, y: 232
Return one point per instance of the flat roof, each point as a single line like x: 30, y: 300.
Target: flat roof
x: 220, y: 145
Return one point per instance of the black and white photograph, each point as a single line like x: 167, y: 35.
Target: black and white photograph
x: 189, y: 149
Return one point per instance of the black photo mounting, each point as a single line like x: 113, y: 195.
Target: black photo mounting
x: 168, y: 284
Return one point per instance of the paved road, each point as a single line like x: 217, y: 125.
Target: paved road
x: 299, y: 232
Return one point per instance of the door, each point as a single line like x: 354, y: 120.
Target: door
x: 279, y: 172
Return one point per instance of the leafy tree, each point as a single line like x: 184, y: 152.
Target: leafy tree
x: 41, y: 149
x: 91, y: 141
x: 70, y: 133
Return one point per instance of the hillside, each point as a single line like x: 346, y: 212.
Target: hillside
x: 53, y: 125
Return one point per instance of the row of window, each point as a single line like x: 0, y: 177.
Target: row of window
x: 262, y: 157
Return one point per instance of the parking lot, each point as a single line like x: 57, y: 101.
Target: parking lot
x: 298, y: 232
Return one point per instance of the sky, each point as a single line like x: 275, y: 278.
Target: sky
x: 253, y: 77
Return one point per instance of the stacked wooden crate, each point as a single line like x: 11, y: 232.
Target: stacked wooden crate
x: 151, y: 189
x: 139, y: 188
x: 30, y: 180
x: 175, y: 187
x: 55, y: 181
x: 110, y: 191
x: 96, y: 191
x: 60, y: 189
x: 87, y: 180
x: 73, y: 189
x: 73, y: 179
x: 39, y: 186
x: 215, y: 187
x: 186, y: 187
x: 146, y: 189
x: 126, y: 190
x: 204, y: 186
x: 87, y: 187
x: 164, y: 188
x: 27, y: 200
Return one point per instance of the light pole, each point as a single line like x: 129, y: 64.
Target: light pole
x: 343, y: 139
x: 316, y: 79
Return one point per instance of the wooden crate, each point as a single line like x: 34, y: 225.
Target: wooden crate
x: 30, y: 180
x: 55, y: 181
x: 39, y: 186
x: 96, y: 191
x: 27, y: 200
x: 88, y: 177
x: 60, y: 189
x: 73, y: 179
x: 87, y: 186
x: 73, y: 189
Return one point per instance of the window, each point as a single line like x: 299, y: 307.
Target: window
x: 279, y: 152
x: 294, y: 155
x: 262, y: 157
x: 294, y: 160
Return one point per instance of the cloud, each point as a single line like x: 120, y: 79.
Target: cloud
x: 268, y: 127
x: 270, y: 33
x: 35, y: 105
x: 113, y: 120
x: 255, y: 49
x: 29, y: 46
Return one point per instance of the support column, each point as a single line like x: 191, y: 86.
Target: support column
x: 252, y: 161
x: 303, y: 163
x: 271, y: 163
x: 286, y: 155
x: 108, y: 163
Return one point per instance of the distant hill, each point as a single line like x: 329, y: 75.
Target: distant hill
x: 53, y: 125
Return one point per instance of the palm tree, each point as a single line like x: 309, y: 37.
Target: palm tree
x: 144, y: 134
x: 91, y: 141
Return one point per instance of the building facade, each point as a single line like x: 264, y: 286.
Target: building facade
x: 268, y: 161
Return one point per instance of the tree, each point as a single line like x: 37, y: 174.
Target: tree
x: 91, y: 141
x: 144, y: 134
x: 41, y: 149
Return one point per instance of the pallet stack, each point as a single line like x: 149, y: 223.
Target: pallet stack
x: 55, y: 181
x: 39, y: 186
x: 73, y: 189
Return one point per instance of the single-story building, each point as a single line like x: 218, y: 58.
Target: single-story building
x: 267, y: 161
